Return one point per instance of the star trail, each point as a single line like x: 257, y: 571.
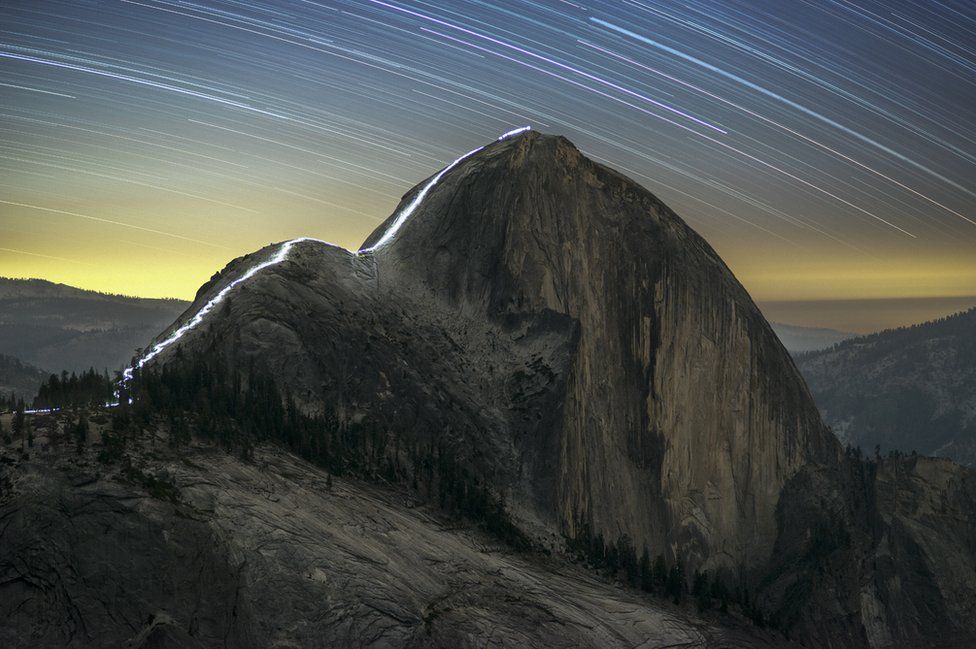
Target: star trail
x: 825, y: 148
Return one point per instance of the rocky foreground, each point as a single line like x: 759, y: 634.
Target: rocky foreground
x: 544, y: 336
x: 198, y: 549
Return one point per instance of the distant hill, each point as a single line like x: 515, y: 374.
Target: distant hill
x: 903, y: 389
x: 19, y: 378
x: 798, y: 339
x: 57, y: 327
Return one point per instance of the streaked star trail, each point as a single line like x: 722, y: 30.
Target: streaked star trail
x: 282, y: 253
x: 826, y: 148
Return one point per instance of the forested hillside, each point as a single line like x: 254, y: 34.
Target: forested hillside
x: 904, y: 389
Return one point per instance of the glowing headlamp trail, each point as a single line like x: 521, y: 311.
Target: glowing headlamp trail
x: 159, y: 347
x: 422, y: 194
x: 48, y: 411
x: 282, y: 254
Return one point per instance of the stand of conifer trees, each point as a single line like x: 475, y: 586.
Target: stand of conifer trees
x: 8, y: 401
x: 619, y: 559
x: 204, y: 396
x: 73, y: 391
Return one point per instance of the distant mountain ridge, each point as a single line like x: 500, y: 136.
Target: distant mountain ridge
x: 906, y: 389
x: 798, y: 339
x: 33, y: 287
x: 19, y: 378
x: 58, y: 327
x: 540, y: 339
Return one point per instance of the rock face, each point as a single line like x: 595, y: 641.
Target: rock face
x: 582, y: 345
x: 273, y: 553
x: 682, y: 416
x: 906, y: 389
x: 576, y: 346
x: 876, y: 554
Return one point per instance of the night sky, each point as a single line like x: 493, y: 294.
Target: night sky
x: 826, y: 149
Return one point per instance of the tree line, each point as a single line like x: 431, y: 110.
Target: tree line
x: 20, y: 427
x: 660, y: 577
x: 66, y: 390
x: 9, y: 401
x: 237, y: 409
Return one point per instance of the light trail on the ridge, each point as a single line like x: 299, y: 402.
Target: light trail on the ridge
x: 48, y: 411
x: 195, y: 321
x: 817, y: 132
x: 282, y: 254
x: 405, y: 213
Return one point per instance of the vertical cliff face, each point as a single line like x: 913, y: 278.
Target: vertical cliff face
x: 557, y: 332
x: 876, y: 554
x: 682, y: 416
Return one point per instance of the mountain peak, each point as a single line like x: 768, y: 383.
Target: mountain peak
x: 561, y: 337
x: 555, y: 316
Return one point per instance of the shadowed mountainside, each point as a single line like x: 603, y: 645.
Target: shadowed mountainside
x: 558, y: 332
x: 910, y: 389
x: 18, y: 378
x: 57, y: 327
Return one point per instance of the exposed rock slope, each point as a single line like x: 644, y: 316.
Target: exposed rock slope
x: 273, y: 553
x: 574, y: 344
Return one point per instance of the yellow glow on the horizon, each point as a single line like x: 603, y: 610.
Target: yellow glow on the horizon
x: 783, y: 275
x: 168, y: 246
x: 118, y: 260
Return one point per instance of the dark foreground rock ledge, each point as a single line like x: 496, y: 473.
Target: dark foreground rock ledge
x: 217, y: 552
x: 566, y: 338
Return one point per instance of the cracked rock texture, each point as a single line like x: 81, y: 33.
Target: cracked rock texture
x: 267, y: 554
x: 578, y: 346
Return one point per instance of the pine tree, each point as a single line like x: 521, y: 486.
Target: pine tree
x: 598, y: 551
x: 81, y: 432
x: 628, y: 559
x: 612, y: 559
x: 660, y: 573
x: 645, y: 571
x: 20, y: 420
x: 676, y: 578
x: 720, y: 594
x: 701, y: 591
